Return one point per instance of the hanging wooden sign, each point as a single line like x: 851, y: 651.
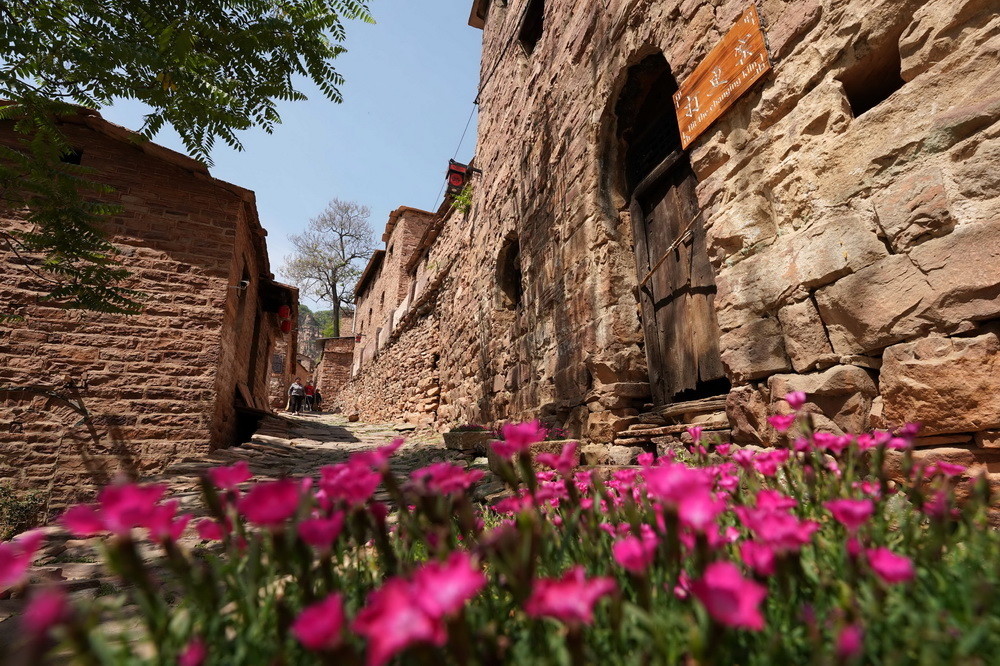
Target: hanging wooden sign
x: 729, y: 70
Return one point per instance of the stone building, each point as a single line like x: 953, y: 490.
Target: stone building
x: 85, y: 396
x: 334, y: 368
x: 836, y: 230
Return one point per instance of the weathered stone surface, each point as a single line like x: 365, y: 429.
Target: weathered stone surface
x: 805, y: 337
x: 915, y: 208
x: 988, y: 439
x: 946, y: 384
x: 609, y: 454
x: 747, y: 410
x: 468, y: 441
x: 840, y: 398
x: 963, y: 270
x: 876, y: 306
x: 754, y: 351
x: 550, y: 446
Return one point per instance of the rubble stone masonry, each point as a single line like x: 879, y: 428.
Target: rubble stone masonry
x: 848, y: 205
x: 86, y: 396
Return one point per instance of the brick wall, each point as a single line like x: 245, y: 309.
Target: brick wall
x: 159, y: 384
x: 401, y: 383
x: 334, y: 369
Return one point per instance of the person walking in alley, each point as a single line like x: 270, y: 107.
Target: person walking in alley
x: 296, y: 392
x: 310, y: 393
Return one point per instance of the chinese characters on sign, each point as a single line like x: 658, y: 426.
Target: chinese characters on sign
x: 735, y: 64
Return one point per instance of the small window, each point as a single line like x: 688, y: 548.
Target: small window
x: 278, y: 364
x: 510, y: 291
x: 533, y: 25
x: 872, y: 80
x: 72, y: 157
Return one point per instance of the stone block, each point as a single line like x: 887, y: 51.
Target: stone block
x: 876, y: 306
x: 754, y: 351
x: 914, y: 208
x: 948, y: 385
x: 805, y: 337
x: 609, y: 454
x: 963, y: 288
x: 987, y: 439
x: 551, y: 446
x: 747, y: 411
x: 469, y: 440
x: 840, y: 399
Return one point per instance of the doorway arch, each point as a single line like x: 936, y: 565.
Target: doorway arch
x: 676, y: 283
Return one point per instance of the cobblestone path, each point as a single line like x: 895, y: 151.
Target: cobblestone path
x: 283, y: 446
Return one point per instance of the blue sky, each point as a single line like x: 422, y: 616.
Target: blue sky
x: 411, y: 79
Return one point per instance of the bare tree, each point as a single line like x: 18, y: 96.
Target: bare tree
x: 328, y: 256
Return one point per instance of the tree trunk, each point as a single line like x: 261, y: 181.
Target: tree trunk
x: 336, y: 318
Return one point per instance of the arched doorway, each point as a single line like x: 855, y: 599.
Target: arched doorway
x: 676, y: 281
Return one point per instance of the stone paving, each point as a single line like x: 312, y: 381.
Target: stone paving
x: 283, y: 446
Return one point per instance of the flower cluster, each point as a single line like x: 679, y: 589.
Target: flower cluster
x: 831, y: 549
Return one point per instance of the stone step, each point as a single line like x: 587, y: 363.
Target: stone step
x: 692, y: 407
x: 719, y: 422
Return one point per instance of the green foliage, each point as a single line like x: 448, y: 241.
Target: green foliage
x: 208, y: 69
x: 19, y: 511
x: 463, y: 200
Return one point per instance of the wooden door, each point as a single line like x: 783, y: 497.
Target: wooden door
x: 677, y: 284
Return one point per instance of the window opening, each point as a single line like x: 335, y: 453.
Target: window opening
x: 72, y: 157
x: 647, y: 125
x: 509, y: 274
x: 873, y: 80
x: 533, y: 25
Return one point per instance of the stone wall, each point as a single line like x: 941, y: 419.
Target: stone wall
x: 401, y: 383
x: 334, y: 369
x: 86, y: 396
x: 852, y: 247
x: 382, y: 291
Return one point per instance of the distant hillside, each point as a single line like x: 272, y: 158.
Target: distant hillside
x: 319, y: 324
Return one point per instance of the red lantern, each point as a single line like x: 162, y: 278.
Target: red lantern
x: 457, y: 175
x: 286, y: 326
x: 285, y: 312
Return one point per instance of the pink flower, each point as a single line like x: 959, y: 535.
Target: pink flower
x: 162, y: 524
x: 562, y: 463
x: 851, y: 513
x: 444, y: 479
x: 743, y: 458
x: 16, y: 557
x: 645, y: 459
x: 442, y: 588
x: 850, y: 641
x: 209, y: 530
x: 228, y: 478
x: 378, y: 459
x: 772, y: 500
x: 634, y: 553
x: 890, y: 567
x: 758, y: 556
x: 950, y: 469
x: 682, y: 590
x: 270, y: 503
x: 781, y: 422
x: 392, y: 621
x: 514, y: 503
x: 127, y: 506
x: 768, y: 462
x: 723, y: 449
x: 781, y: 531
x: 672, y: 482
x: 695, y: 432
x: 796, y: 399
x: 194, y: 653
x: 320, y: 626
x: 82, y: 520
x: 519, y: 437
x: 570, y: 599
x: 699, y: 510
x: 352, y: 482
x: 729, y: 598
x: 45, y: 610
x: 321, y: 532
